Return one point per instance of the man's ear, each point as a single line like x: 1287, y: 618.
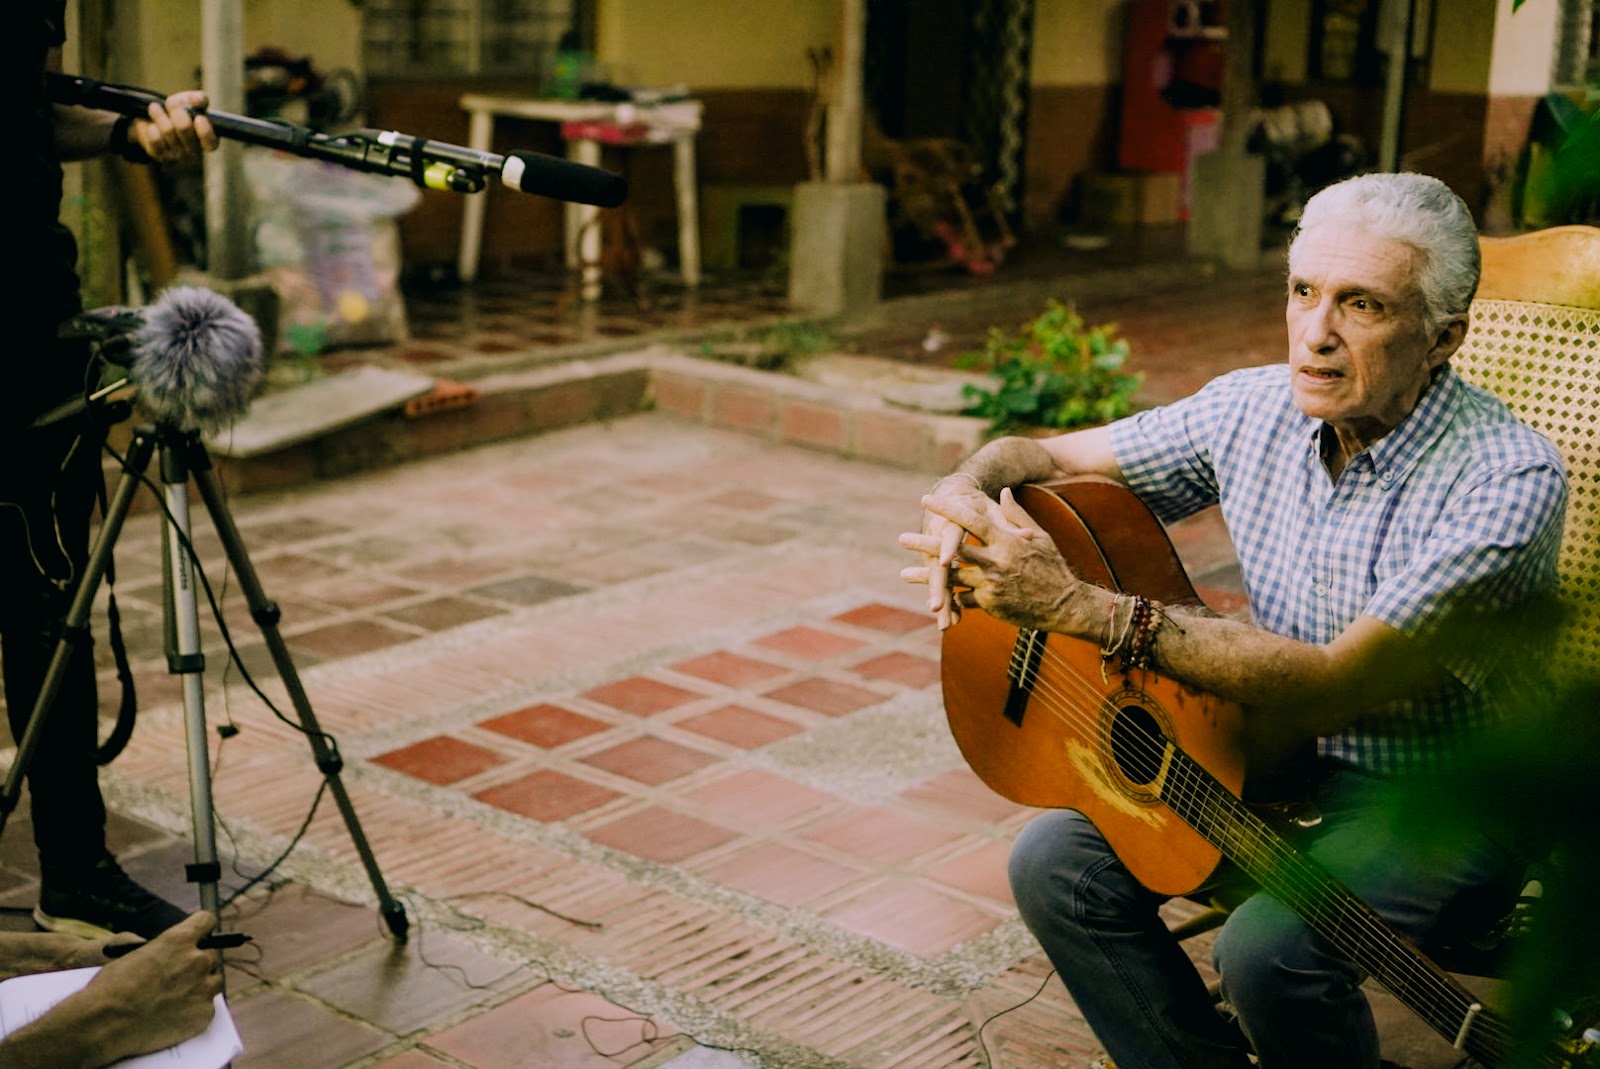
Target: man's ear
x: 1446, y: 341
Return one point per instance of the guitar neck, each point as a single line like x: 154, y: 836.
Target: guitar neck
x: 1334, y: 913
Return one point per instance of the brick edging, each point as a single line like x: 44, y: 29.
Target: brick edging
x: 772, y: 405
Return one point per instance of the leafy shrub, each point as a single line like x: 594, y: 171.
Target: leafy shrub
x: 1053, y: 372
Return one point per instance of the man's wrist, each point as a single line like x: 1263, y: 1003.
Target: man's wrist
x: 123, y: 143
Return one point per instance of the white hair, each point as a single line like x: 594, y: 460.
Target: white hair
x: 1420, y: 211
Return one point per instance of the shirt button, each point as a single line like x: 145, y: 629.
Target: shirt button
x: 1320, y: 589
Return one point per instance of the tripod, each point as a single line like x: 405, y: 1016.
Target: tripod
x: 183, y: 457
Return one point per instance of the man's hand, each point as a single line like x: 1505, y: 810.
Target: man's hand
x: 158, y: 995
x: 165, y: 987
x: 177, y: 131
x: 940, y: 538
x: 1015, y: 574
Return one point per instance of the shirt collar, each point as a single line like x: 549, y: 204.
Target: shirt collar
x: 1396, y: 452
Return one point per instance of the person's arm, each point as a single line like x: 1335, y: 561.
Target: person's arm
x: 978, y: 480
x: 1312, y: 690
x: 159, y: 995
x: 168, y: 133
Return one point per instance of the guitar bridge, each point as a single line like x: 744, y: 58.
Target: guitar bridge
x: 1023, y: 672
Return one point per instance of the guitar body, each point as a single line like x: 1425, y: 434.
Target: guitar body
x: 1080, y: 741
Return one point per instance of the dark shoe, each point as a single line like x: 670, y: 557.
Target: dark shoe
x: 99, y: 901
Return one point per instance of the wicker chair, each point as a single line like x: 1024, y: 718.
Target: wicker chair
x: 1535, y: 343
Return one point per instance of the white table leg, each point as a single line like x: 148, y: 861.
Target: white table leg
x: 480, y: 136
x: 583, y: 222
x: 688, y: 209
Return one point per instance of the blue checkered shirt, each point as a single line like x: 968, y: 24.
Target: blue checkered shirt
x: 1459, y: 499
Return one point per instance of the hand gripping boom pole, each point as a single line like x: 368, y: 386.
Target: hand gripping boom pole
x: 429, y: 164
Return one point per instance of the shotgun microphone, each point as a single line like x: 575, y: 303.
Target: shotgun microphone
x: 429, y: 164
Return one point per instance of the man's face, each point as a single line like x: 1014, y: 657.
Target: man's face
x: 1359, y: 355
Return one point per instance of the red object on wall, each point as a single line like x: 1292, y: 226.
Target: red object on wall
x: 1168, y: 44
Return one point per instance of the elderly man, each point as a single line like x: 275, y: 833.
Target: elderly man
x: 1368, y: 491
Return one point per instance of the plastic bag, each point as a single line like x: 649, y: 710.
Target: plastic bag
x: 326, y: 236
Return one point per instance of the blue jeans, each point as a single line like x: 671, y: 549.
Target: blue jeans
x: 1299, y: 1002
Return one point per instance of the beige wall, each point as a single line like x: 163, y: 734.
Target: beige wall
x: 1285, y: 42
x: 159, y: 40
x: 1523, y: 45
x: 1077, y: 42
x: 712, y: 44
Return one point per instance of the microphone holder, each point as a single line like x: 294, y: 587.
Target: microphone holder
x: 182, y: 458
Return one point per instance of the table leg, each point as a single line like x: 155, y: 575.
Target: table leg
x: 688, y: 209
x: 583, y: 222
x: 480, y: 136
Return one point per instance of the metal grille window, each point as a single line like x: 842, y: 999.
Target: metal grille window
x: 1578, y: 55
x: 455, y: 37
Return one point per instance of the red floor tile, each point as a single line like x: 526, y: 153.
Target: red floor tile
x: 756, y: 801
x: 349, y: 639
x: 961, y: 792
x: 729, y: 669
x: 810, y: 643
x: 441, y: 759
x: 441, y: 614
x: 661, y: 834
x: 882, y: 836
x: 547, y: 796
x: 782, y: 874
x: 648, y: 760
x: 546, y: 726
x: 902, y: 668
x: 912, y: 916
x: 980, y: 872
x: 826, y: 696
x: 886, y: 618
x: 641, y: 696
x: 741, y: 727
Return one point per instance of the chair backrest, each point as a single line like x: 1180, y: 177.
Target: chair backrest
x: 1534, y: 341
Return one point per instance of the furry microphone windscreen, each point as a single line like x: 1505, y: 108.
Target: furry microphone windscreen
x: 197, y: 359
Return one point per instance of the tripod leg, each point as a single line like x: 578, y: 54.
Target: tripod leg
x: 184, y: 658
x: 75, y: 629
x: 265, y: 614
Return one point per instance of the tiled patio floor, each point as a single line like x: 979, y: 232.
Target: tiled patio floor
x: 646, y: 735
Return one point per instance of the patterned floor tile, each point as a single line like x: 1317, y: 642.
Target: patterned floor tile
x: 546, y: 726
x: 440, y: 760
x: 661, y: 834
x: 648, y: 760
x: 547, y: 796
x: 739, y: 726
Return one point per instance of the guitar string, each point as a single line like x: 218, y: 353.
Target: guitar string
x: 1445, y: 997
x: 1448, y: 1001
x: 1455, y: 1003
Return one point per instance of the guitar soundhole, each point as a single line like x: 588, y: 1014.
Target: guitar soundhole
x: 1136, y: 744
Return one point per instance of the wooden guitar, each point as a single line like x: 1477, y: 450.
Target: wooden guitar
x: 1158, y: 766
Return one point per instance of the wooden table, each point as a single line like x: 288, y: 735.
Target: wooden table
x: 676, y: 123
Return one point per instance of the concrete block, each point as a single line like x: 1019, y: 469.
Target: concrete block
x: 836, y: 255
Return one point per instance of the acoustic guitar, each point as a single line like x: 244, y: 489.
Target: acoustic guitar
x: 1159, y: 766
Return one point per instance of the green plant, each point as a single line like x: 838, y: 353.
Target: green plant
x: 1055, y: 371
x: 770, y: 346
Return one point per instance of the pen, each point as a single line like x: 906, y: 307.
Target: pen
x: 221, y: 941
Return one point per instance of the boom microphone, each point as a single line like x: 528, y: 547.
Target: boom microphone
x: 429, y: 164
